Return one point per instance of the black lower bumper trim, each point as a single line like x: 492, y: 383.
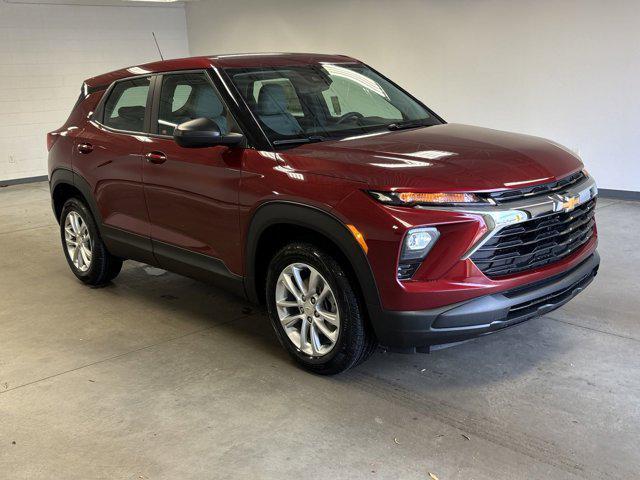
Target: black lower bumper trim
x: 415, y: 330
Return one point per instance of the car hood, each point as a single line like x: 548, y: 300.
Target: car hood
x: 448, y: 157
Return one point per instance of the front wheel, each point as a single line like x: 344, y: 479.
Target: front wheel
x: 314, y: 310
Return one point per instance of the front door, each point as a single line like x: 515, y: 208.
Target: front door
x: 192, y: 193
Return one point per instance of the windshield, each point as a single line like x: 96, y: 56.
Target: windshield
x: 321, y: 101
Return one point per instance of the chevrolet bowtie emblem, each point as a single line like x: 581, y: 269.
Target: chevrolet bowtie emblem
x: 567, y: 203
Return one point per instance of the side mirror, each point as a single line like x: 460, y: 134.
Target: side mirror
x: 204, y: 132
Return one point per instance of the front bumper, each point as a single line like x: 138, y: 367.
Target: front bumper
x: 411, y: 331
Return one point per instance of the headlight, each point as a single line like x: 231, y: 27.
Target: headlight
x: 416, y: 198
x: 417, y: 243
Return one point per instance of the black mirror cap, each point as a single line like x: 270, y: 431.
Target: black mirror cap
x: 204, y: 132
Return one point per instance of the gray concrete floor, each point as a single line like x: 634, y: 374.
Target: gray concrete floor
x: 160, y: 377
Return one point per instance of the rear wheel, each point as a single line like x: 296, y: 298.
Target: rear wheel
x: 84, y: 250
x: 314, y: 310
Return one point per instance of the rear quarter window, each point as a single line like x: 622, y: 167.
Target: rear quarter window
x: 126, y: 106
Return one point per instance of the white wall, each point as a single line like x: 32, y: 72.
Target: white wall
x: 46, y: 51
x: 566, y: 70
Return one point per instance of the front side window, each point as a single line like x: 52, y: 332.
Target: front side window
x: 127, y: 104
x: 187, y: 96
x: 325, y: 101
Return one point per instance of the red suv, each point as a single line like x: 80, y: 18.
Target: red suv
x: 314, y: 184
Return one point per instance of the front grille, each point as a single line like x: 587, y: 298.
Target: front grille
x: 506, y: 196
x: 536, y: 242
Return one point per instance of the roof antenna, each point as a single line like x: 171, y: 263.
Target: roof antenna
x: 157, y: 46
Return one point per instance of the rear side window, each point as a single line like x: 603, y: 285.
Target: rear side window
x: 127, y: 104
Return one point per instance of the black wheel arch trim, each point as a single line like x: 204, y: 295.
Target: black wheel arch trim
x: 64, y: 175
x: 312, y: 218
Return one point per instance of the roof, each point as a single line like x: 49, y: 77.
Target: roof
x: 222, y: 61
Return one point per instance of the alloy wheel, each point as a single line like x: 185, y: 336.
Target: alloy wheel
x: 307, y: 309
x: 78, y: 241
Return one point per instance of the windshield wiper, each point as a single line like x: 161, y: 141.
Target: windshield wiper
x: 407, y: 124
x: 297, y: 141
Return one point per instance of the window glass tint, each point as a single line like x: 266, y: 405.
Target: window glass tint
x: 326, y: 101
x: 125, y: 108
x: 184, y: 97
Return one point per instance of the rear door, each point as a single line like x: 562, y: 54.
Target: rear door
x: 192, y: 193
x: 108, y: 154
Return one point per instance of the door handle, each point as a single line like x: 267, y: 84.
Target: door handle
x: 85, y: 148
x: 156, y: 157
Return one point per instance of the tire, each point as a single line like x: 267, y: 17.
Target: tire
x: 346, y: 344
x: 77, y: 222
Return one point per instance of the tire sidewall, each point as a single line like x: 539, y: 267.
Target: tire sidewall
x: 350, y: 319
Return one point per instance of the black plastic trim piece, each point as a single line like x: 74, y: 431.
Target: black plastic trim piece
x: 155, y: 106
x: 408, y: 331
x: 312, y: 218
x: 198, y: 266
x: 128, y: 245
x: 64, y: 175
x: 81, y: 184
x: 175, y: 259
x: 60, y: 176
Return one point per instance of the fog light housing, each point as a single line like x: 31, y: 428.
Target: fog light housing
x: 418, y: 242
x: 416, y: 245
